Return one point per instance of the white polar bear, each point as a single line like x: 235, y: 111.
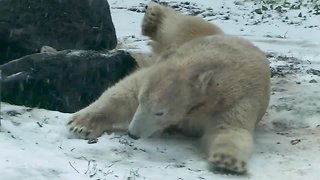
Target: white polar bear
x: 205, y: 83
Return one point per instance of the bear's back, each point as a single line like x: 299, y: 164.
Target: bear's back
x: 239, y: 69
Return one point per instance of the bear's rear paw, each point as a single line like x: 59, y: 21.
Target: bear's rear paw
x: 152, y: 19
x: 88, y: 125
x: 226, y: 164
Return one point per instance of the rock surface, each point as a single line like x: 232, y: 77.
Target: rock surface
x: 26, y: 26
x: 64, y: 81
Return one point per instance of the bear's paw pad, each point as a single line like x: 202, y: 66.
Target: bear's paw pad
x: 152, y: 19
x: 226, y: 164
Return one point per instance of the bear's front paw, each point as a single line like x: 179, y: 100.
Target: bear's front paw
x: 152, y: 19
x: 88, y: 125
x: 227, y: 164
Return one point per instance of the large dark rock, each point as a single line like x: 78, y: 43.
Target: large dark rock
x: 27, y: 25
x: 64, y: 81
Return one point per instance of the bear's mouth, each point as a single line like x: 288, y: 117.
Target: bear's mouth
x: 133, y: 136
x: 163, y: 125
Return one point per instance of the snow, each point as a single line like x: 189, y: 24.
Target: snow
x: 76, y: 53
x: 35, y: 144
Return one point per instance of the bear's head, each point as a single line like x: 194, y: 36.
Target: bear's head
x: 163, y: 100
x: 167, y: 95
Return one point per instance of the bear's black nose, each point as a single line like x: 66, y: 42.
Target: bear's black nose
x: 133, y: 136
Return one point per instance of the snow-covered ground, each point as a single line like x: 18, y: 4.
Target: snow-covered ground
x: 35, y: 145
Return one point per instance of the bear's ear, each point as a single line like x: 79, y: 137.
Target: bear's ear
x: 203, y: 80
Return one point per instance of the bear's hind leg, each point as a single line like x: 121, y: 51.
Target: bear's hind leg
x: 152, y: 20
x: 155, y: 25
x: 168, y: 28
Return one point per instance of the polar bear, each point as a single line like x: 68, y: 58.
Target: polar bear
x: 204, y: 83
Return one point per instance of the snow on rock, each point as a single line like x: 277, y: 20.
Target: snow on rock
x: 36, y: 145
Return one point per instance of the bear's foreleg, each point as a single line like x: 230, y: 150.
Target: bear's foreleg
x: 228, y: 149
x: 112, y: 111
x: 228, y: 141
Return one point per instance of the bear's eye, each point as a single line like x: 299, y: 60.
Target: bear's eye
x: 159, y: 113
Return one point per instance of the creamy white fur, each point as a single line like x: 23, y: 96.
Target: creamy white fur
x: 204, y: 82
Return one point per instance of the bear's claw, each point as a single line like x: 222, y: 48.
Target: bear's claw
x: 81, y: 132
x: 88, y: 125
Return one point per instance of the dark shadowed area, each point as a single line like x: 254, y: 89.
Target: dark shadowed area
x: 65, y: 81
x: 27, y: 25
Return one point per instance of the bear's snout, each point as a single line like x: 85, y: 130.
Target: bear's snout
x: 133, y: 136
